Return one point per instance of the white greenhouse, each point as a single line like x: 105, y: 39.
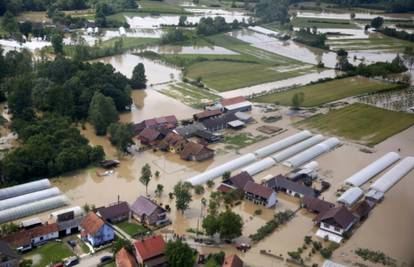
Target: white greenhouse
x: 28, y: 198
x: 260, y: 166
x: 77, y: 211
x: 22, y: 189
x: 282, y: 144
x: 313, y: 165
x: 312, y: 153
x: 351, y: 196
x: 293, y: 150
x: 33, y: 208
x: 391, y: 177
x: 366, y: 174
x: 221, y: 169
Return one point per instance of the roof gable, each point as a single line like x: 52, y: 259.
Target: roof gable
x: 91, y: 224
x: 124, y: 259
x: 150, y: 247
x: 114, y: 211
x: 239, y: 180
x: 258, y: 190
x: 340, y: 215
x: 143, y: 205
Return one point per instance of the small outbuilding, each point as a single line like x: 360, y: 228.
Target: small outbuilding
x: 351, y: 196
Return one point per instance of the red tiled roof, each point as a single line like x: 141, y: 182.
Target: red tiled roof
x: 44, y: 230
x: 316, y: 204
x: 232, y: 101
x: 18, y: 239
x: 258, y: 190
x: 149, y: 134
x: 92, y: 223
x: 232, y: 261
x: 239, y: 180
x: 150, y: 247
x: 124, y: 259
x: 193, y: 149
x: 207, y: 114
x: 224, y: 188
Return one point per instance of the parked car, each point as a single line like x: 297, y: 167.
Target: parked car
x: 72, y: 261
x: 106, y: 258
x: 243, y: 247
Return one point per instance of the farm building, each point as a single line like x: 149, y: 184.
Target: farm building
x: 173, y: 143
x: 259, y: 166
x: 293, y: 150
x: 115, y: 212
x: 150, y: 251
x: 196, y: 152
x: 169, y: 122
x: 351, y: 196
x: 207, y: 114
x: 189, y: 130
x: 208, y: 136
x: 23, y: 189
x: 391, y: 177
x: 316, y: 205
x: 33, y: 208
x: 282, y: 144
x: 219, y: 123
x: 238, y: 103
x: 8, y: 257
x: 281, y: 183
x: 312, y: 152
x: 259, y: 194
x: 376, y: 167
x: 149, y: 135
x: 236, y: 182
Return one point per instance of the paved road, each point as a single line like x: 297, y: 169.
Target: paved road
x: 93, y: 260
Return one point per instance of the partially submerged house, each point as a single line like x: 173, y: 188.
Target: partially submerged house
x: 259, y: 194
x: 281, y: 183
x: 196, y: 152
x: 363, y: 208
x: 124, y: 259
x: 236, y: 182
x: 8, y: 257
x: 150, y: 251
x: 232, y: 261
x: 173, y: 142
x: 95, y: 230
x: 168, y: 122
x: 149, y: 136
x: 219, y: 123
x: 189, y: 130
x: 334, y: 223
x: 115, y: 212
x: 148, y: 212
x: 316, y: 205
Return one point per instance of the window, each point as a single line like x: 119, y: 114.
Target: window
x: 41, y: 238
x: 337, y: 229
x: 325, y: 225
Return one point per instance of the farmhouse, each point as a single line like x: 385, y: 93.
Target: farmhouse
x: 281, y: 183
x: 259, y: 194
x: 44, y: 233
x: 236, y: 182
x: 335, y: 221
x: 148, y: 212
x: 114, y: 213
x: 148, y: 136
x: 196, y: 152
x: 95, y: 230
x: 172, y: 142
x: 151, y: 251
x: 169, y: 122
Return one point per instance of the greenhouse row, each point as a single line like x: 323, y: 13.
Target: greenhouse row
x: 18, y: 190
x: 373, y: 169
x: 28, y: 198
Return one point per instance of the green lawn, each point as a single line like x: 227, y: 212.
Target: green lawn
x: 324, y: 23
x: 132, y: 229
x: 322, y: 93
x: 238, y: 141
x: 361, y: 123
x: 48, y: 253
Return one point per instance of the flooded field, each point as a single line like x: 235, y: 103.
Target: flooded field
x: 198, y: 50
x: 156, y: 72
x: 358, y: 15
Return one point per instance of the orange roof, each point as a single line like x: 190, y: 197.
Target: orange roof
x: 124, y: 259
x: 92, y: 223
x: 232, y: 101
x: 150, y: 247
x: 232, y: 261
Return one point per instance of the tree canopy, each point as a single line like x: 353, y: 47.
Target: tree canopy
x: 179, y: 254
x: 139, y: 80
x: 182, y: 195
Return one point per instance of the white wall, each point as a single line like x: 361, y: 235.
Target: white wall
x: 272, y: 200
x: 331, y: 228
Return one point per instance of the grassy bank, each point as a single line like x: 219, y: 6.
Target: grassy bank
x: 323, y: 23
x: 361, y: 123
x: 322, y: 93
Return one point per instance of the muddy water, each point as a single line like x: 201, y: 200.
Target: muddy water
x: 347, y: 16
x: 156, y: 72
x: 198, y: 50
x: 299, y: 80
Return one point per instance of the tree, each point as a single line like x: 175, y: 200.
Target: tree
x: 231, y: 224
x: 272, y: 10
x: 139, y: 80
x: 409, y: 56
x: 211, y: 224
x: 159, y: 190
x: 10, y: 23
x: 102, y: 112
x: 120, y: 243
x: 226, y: 175
x: 210, y: 183
x: 342, y: 53
x: 298, y: 99
x: 179, y: 254
x: 121, y: 135
x: 352, y: 15
x: 146, y: 175
x: 182, y: 195
x: 57, y: 43
x: 377, y: 22
x: 182, y: 21
x: 157, y: 174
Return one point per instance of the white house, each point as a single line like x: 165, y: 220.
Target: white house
x: 44, y: 233
x: 334, y: 223
x: 260, y: 194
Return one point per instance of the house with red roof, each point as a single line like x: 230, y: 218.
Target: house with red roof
x: 95, y: 230
x: 232, y: 261
x: 150, y: 251
x: 124, y: 259
x: 259, y: 194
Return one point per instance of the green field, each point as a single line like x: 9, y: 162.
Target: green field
x: 190, y: 95
x: 130, y: 42
x: 323, y: 23
x: 362, y: 123
x: 132, y: 229
x: 48, y: 253
x: 375, y: 41
x: 322, y: 93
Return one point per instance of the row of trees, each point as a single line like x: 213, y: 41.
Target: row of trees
x: 311, y: 37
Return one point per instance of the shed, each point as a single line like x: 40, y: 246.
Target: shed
x: 236, y: 124
x: 351, y: 196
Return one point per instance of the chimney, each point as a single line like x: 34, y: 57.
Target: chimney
x: 118, y: 199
